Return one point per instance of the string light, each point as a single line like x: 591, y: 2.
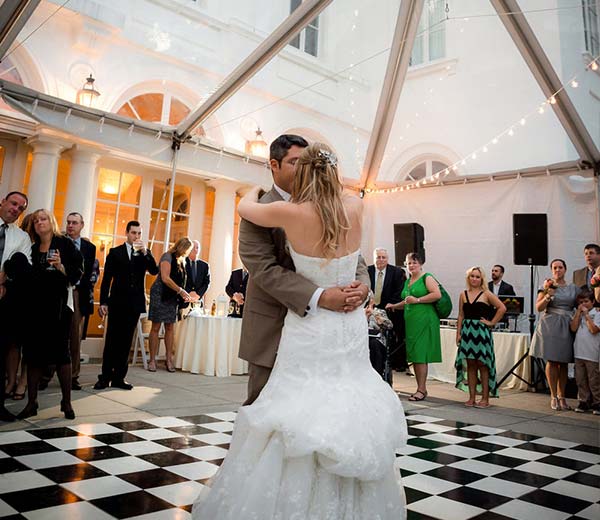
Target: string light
x: 551, y: 100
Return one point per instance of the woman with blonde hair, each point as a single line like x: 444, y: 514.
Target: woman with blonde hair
x: 325, y: 426
x: 56, y: 266
x: 479, y: 310
x: 165, y: 295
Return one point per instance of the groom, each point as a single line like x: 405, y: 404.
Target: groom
x: 273, y: 285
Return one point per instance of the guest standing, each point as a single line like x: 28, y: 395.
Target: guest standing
x: 582, y: 277
x: 165, y: 295
x: 423, y: 342
x: 387, y: 282
x: 586, y: 326
x: 15, y: 254
x: 553, y: 340
x: 198, y: 274
x: 479, y: 309
x: 123, y: 299
x: 236, y: 290
x: 57, y: 266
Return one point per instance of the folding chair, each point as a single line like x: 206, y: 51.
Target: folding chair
x: 139, y: 340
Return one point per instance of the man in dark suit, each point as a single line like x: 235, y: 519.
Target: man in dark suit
x: 387, y: 282
x: 198, y: 274
x: 498, y: 286
x: 123, y: 299
x: 236, y: 290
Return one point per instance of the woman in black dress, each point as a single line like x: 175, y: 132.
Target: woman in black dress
x: 56, y: 266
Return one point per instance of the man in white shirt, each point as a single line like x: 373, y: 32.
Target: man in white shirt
x: 498, y: 286
x: 15, y: 248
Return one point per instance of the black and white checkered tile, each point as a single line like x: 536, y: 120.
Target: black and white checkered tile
x: 154, y: 469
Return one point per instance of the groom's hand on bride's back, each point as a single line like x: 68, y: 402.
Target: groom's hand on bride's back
x: 344, y: 299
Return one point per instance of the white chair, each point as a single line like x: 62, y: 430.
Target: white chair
x: 139, y: 341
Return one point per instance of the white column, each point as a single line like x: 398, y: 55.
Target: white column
x: 221, y: 238
x: 197, y: 209
x: 44, y: 168
x: 82, y: 181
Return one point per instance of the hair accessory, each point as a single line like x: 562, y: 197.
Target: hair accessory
x: 330, y: 157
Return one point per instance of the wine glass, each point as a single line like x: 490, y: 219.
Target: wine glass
x: 49, y: 255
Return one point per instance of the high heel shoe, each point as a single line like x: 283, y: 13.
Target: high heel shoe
x: 562, y: 402
x: 554, y: 404
x: 28, y: 411
x: 69, y: 413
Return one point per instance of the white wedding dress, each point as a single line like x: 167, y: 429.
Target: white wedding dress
x: 319, y: 443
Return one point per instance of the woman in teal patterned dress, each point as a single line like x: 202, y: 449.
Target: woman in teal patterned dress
x: 479, y: 311
x: 423, y: 343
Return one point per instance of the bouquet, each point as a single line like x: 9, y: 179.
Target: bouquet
x: 379, y: 320
x: 595, y: 281
x: 549, y: 284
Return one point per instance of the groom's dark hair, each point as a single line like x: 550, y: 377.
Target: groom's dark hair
x: 280, y: 146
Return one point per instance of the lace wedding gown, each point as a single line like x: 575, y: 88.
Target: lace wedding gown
x: 319, y: 442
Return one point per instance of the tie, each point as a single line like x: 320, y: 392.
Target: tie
x: 2, y: 241
x: 194, y: 271
x: 378, y: 287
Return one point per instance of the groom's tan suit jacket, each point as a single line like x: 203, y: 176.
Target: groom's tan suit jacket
x: 273, y: 288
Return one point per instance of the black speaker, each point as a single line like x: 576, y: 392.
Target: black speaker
x: 408, y: 238
x: 530, y: 239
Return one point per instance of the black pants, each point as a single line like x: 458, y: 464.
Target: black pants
x: 119, y: 334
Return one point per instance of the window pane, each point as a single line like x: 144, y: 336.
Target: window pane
x: 181, y: 197
x: 130, y: 188
x: 148, y: 107
x: 108, y: 184
x: 104, y: 220
x: 179, y: 227
x: 419, y: 171
x: 295, y: 41
x: 311, y: 41
x: 437, y: 166
x: 314, y: 23
x: 177, y: 112
x: 294, y: 4
x: 126, y: 213
x: 416, y: 57
x: 62, y: 183
x: 157, y: 225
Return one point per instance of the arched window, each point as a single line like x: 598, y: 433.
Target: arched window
x: 425, y: 169
x: 156, y: 107
x: 9, y: 72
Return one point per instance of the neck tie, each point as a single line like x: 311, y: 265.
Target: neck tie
x: 378, y: 287
x: 2, y: 241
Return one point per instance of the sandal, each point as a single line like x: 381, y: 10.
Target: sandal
x: 481, y: 404
x: 170, y: 367
x: 152, y: 366
x: 554, y: 404
x: 563, y: 404
x: 469, y: 404
x: 418, y: 396
x: 17, y: 396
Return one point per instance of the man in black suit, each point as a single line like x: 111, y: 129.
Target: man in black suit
x: 498, y: 286
x: 198, y: 274
x: 387, y: 282
x: 236, y: 290
x: 123, y: 299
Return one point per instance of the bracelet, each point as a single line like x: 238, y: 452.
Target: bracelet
x: 180, y: 290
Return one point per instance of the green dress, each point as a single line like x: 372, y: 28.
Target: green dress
x: 423, y: 342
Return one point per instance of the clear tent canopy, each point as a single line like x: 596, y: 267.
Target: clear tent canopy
x: 408, y: 92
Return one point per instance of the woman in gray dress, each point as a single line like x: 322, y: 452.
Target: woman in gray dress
x: 553, y: 340
x: 165, y: 293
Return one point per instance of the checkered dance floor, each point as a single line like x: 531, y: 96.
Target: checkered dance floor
x: 154, y: 469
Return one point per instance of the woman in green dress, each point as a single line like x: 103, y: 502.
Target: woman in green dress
x: 423, y: 343
x: 478, y: 312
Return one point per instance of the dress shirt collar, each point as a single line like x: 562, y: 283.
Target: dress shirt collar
x: 284, y: 194
x: 129, y: 249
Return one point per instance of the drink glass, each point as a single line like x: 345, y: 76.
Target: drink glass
x: 137, y: 248
x: 50, y: 254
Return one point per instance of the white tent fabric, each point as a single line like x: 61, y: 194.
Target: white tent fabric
x: 471, y: 224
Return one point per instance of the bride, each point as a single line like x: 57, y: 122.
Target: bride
x: 320, y: 441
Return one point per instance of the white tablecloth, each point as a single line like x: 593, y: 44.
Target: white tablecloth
x: 209, y: 345
x: 508, y: 347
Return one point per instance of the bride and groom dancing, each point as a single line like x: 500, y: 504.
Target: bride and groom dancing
x: 317, y: 437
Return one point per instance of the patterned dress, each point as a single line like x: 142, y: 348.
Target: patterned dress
x: 476, y: 342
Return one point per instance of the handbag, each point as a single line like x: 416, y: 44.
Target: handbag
x: 443, y: 307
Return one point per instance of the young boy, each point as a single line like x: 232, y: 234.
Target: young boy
x: 586, y: 325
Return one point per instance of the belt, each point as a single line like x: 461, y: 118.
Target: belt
x: 561, y: 312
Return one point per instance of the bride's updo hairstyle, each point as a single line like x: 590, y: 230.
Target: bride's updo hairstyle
x: 317, y: 181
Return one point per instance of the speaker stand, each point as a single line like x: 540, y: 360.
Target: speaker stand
x: 537, y: 367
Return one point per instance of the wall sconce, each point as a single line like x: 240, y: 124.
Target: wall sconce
x: 257, y: 146
x: 87, y: 94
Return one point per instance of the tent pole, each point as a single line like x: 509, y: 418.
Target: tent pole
x: 176, y: 145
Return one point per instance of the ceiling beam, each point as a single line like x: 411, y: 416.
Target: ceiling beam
x: 407, y: 24
x: 530, y: 48
x: 13, y: 17
x: 276, y: 41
